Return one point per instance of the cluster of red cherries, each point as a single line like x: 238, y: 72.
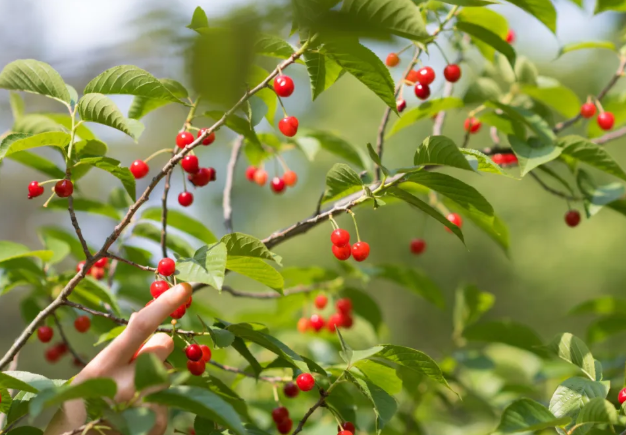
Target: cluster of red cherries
x: 97, y: 271
x: 62, y: 188
x: 278, y: 184
x: 342, y: 249
x: 341, y: 318
x: 57, y: 351
x: 197, y: 358
x: 605, y: 120
x: 167, y: 267
x: 304, y: 382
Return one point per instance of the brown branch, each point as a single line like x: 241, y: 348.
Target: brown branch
x: 79, y: 233
x: 554, y: 191
x: 132, y: 263
x: 610, y: 136
x: 166, y: 189
x: 66, y: 341
x: 321, y: 402
x: 228, y: 187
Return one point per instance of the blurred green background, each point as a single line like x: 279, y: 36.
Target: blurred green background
x: 550, y: 269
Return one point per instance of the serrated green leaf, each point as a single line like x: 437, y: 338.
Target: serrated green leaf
x: 557, y: 96
x: 243, y: 245
x: 573, y: 350
x: 17, y: 105
x: 10, y: 383
x: 258, y: 270
x: 440, y: 150
x: 100, y: 292
x: 605, y: 327
x: 479, y: 16
x: 236, y: 124
x: 384, y: 405
x: 526, y: 415
x: 17, y: 142
x: 427, y: 109
x: 469, y: 306
x: 507, y: 332
x: 101, y: 109
x: 38, y: 163
x: 87, y: 206
x: 67, y: 237
x: 602, y: 196
x: 585, y: 151
x: 531, y: 119
x: 376, y: 159
x: 183, y: 222
x: 482, y: 162
x: 598, y: 410
x: 199, y: 19
x: 544, y: 11
x: 601, y: 305
x: 36, y: 77
x: 399, y: 17
x: 412, y: 279
x: 149, y: 372
x: 323, y: 72
x: 25, y: 430
x: 58, y: 246
x: 341, y: 180
x: 490, y: 38
x: 133, y: 421
x: 573, y: 394
x: 142, y: 105
x: 532, y: 153
x: 273, y: 46
x: 329, y: 142
x: 609, y: 5
x: 207, y: 266
x: 481, y: 90
x: 575, y: 46
x: 364, y: 306
x: 89, y: 389
x: 113, y: 167
x: 12, y: 251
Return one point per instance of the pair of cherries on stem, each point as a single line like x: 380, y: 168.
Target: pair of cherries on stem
x: 197, y: 358
x: 62, y: 188
x: 284, y: 87
x: 342, y: 249
x: 167, y: 267
x: 605, y: 120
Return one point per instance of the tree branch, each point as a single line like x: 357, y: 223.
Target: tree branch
x: 553, y: 191
x: 66, y: 341
x: 79, y: 233
x: 321, y: 401
x: 610, y: 136
x: 166, y: 190
x: 132, y: 263
x: 84, y: 428
x: 228, y: 187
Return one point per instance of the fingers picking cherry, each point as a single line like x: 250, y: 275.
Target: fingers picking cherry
x: 290, y: 178
x: 139, y: 169
x: 193, y: 352
x: 452, y: 73
x: 291, y: 390
x: 321, y: 301
x: 166, y: 267
x: 183, y: 139
x: 422, y: 91
x: 64, y: 188
x: 82, y: 324
x: 283, y: 85
x: 190, y: 164
x: 277, y: 185
x: 207, y: 140
x: 305, y: 382
x: 34, y: 190
x: 426, y: 75
x: 185, y: 199
x: 572, y: 218
x: 360, y: 251
x: 45, y: 333
x: 587, y: 110
x: 342, y: 252
x: 606, y: 120
x: 288, y: 126
x: 196, y: 368
x: 250, y: 172
x: 472, y: 125
x: 392, y: 60
x: 157, y: 288
x: 418, y: 246
x: 206, y: 353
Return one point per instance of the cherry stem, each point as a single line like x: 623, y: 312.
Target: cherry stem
x: 599, y: 105
x: 50, y: 181
x: 280, y: 100
x: 442, y: 53
x: 275, y: 391
x: 282, y: 162
x: 404, y: 49
x: 184, y: 179
x: 164, y: 150
x: 333, y: 223
x: 50, y: 199
x: 356, y: 227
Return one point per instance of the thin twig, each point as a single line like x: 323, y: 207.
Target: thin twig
x: 554, y: 191
x: 228, y: 187
x: 321, y: 401
x: 66, y: 341
x: 84, y: 428
x: 610, y: 136
x: 132, y: 263
x: 166, y: 190
x: 79, y: 233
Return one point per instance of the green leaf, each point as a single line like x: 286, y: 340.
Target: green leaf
x: 101, y: 109
x: 110, y: 335
x: 598, y: 410
x: 87, y: 206
x: 59, y: 246
x: 412, y: 279
x: 33, y: 76
x: 526, y: 415
x: 201, y: 402
x: 177, y: 244
x: 490, y: 38
x: 364, y: 306
x: 240, y: 346
x: 12, y: 251
x: 605, y: 327
x: 89, y: 389
x: 183, y: 222
x: 376, y: 159
x: 61, y: 234
x: 149, y: 372
x: 601, y: 305
x: 129, y: 80
x: 346, y: 351
x: 532, y: 153
x: 341, y: 181
x: 482, y: 162
x: 133, y: 421
x: 100, y: 292
x: 608, y: 45
x: 469, y: 306
x: 399, y: 17
x: 364, y: 65
x: 526, y: 71
x: 273, y: 46
x: 258, y: 270
x: 440, y: 150
x: 602, y: 196
x: 381, y: 373
x: 531, y: 119
x: 424, y: 110
x: 323, y: 72
x: 585, y: 151
x: 36, y: 381
x: 237, y: 124
x: 10, y: 383
x: 480, y: 90
x: 243, y: 245
x: 207, y: 266
x: 557, y: 96
x: 544, y: 11
x: 470, y: 3
x: 573, y: 350
x: 25, y: 430
x: 478, y: 16
x: 7, y: 401
x: 38, y: 163
x: 609, y: 5
x: 17, y: 142
x: 141, y: 105
x: 17, y: 105
x: 199, y: 19
x: 90, y: 148
x: 113, y: 167
x: 312, y: 140
x: 507, y: 332
x: 573, y: 394
x: 384, y: 405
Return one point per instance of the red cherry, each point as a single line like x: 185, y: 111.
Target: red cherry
x: 190, y: 164
x: 426, y: 75
x: 498, y: 159
x: 61, y: 348
x: 345, y: 432
x: 321, y: 301
x: 305, y: 382
x: 166, y: 267
x: 418, y: 246
x: 291, y: 390
x: 510, y: 159
x: 179, y: 312
x: 334, y: 321
x: 290, y: 178
x: 211, y: 173
x: 452, y: 73
x: 344, y: 305
x: 139, y: 169
x: 45, y: 333
x: 317, y: 322
x: 284, y: 427
x: 606, y: 120
x: 283, y: 85
x: 346, y: 320
x: 621, y: 397
x: 572, y: 218
x: 65, y: 188
x: 288, y: 126
x: 82, y: 324
x: 348, y: 426
x: 202, y: 177
x: 280, y: 414
x: 342, y: 252
x: 303, y: 324
x: 472, y: 125
x: 587, y: 110
x: 196, y: 368
x: 52, y: 355
x: 102, y: 262
x: 510, y: 37
x: 412, y: 77
x: 193, y: 352
x: 207, y: 140
x: 206, y: 353
x: 97, y: 273
x: 422, y: 91
x: 157, y: 288
x: 185, y: 199
x: 340, y: 237
x: 392, y: 59
x: 260, y: 177
x: 80, y: 266
x: 34, y: 190
x: 277, y: 185
x: 455, y: 219
x: 192, y: 431
x: 183, y: 139
x: 189, y: 301
x: 360, y: 251
x: 250, y: 172
x: 400, y: 105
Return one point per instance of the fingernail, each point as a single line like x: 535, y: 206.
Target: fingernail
x: 183, y: 289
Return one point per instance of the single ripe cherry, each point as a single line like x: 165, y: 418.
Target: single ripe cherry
x: 412, y: 77
x: 34, y: 190
x: 498, y: 159
x: 280, y: 414
x: 200, y: 178
x: 65, y: 188
x: 510, y: 37
x: 284, y: 427
x: 196, y: 368
x: 348, y: 426
x: 206, y: 353
x: 346, y: 320
x: 572, y: 218
x: 189, y: 302
x: 333, y: 322
x: 305, y: 382
x: 179, y: 312
x: 291, y: 390
x: 606, y: 120
x: 587, y: 110
x: 418, y: 246
x: 288, y: 126
x: 283, y: 85
x: 190, y: 164
x: 422, y: 91
x: 290, y: 178
x: 52, y: 355
x: 166, y: 267
x: 321, y: 301
x: 472, y: 125
x: 340, y: 237
x: 510, y: 159
x: 621, y: 397
x: 303, y: 324
x: 183, y: 139
x: 455, y: 219
x: 342, y: 252
x: 250, y: 172
x: 400, y: 105
x: 80, y: 266
x: 452, y: 73
x: 97, y: 272
x: 82, y: 324
x: 426, y: 75
x: 157, y: 288
x: 260, y: 177
x: 185, y: 199
x: 360, y: 251
x: 317, y: 322
x: 139, y: 169
x: 277, y: 185
x: 102, y: 262
x: 45, y: 333
x: 345, y: 432
x: 207, y: 140
x: 344, y: 305
x: 193, y: 352
x: 392, y: 59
